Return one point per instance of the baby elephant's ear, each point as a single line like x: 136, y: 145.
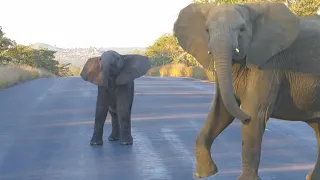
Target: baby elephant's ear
x: 91, y: 71
x: 134, y: 66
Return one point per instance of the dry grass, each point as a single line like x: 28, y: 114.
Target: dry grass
x: 181, y: 70
x: 15, y: 74
x: 153, y: 72
x: 75, y: 70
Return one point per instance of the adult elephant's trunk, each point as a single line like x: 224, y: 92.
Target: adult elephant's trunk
x: 222, y: 49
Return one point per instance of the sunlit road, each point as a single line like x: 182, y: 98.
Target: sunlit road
x: 46, y: 125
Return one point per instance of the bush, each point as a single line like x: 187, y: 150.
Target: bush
x: 199, y: 73
x: 181, y: 70
x: 209, y: 75
x: 175, y: 70
x: 75, y: 71
x: 153, y: 72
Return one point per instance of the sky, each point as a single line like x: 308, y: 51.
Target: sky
x: 85, y: 23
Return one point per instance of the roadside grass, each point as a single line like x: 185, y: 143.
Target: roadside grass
x: 14, y: 74
x: 75, y: 70
x: 181, y: 70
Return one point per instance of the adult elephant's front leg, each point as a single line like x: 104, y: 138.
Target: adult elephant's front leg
x: 315, y: 173
x: 259, y: 100
x: 125, y: 95
x: 217, y: 120
x: 252, y: 134
x: 100, y: 116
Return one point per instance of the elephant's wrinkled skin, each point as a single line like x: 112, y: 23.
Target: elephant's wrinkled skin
x: 266, y: 60
x: 114, y: 75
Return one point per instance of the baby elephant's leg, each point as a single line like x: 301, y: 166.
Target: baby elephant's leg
x: 100, y: 116
x: 115, y: 133
x: 125, y: 95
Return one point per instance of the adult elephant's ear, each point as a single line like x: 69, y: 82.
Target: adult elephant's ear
x: 91, y: 71
x: 275, y: 28
x: 134, y: 66
x: 190, y: 30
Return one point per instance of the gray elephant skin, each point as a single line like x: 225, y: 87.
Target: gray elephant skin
x: 267, y: 65
x: 114, y: 75
x: 314, y: 16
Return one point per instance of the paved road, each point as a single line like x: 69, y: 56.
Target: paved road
x: 46, y: 125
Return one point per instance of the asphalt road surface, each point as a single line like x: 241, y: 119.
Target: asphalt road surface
x: 46, y: 125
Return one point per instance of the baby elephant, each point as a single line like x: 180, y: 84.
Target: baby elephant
x: 114, y: 75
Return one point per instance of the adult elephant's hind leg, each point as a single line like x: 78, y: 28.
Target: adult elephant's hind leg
x: 315, y: 173
x: 217, y: 120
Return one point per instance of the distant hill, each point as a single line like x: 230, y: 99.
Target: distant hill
x: 43, y: 45
x: 78, y: 56
x: 127, y: 50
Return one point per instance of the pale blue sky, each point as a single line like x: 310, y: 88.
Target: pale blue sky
x: 84, y: 23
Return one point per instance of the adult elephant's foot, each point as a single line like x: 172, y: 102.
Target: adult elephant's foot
x: 205, y: 167
x: 313, y: 176
x: 248, y: 177
x: 205, y: 170
x: 308, y: 177
x: 96, y: 140
x: 114, y: 136
x: 126, y: 140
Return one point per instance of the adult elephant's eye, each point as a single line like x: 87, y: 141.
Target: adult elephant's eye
x: 242, y: 28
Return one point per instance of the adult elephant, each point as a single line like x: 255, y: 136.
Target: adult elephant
x: 114, y: 75
x: 314, y: 16
x: 267, y: 64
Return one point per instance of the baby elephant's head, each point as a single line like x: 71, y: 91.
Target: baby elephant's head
x: 124, y: 68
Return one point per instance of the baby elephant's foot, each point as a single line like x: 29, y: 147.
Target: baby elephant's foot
x: 126, y: 140
x: 114, y: 136
x: 96, y: 140
x: 248, y: 177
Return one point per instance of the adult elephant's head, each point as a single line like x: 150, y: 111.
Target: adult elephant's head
x: 219, y: 35
x: 125, y: 68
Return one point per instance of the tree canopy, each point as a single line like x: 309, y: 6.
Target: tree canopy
x: 11, y: 52
x: 167, y: 50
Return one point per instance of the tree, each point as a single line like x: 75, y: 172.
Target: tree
x: 5, y: 44
x: 167, y: 50
x: 305, y: 7
x: 11, y: 52
x: 20, y: 54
